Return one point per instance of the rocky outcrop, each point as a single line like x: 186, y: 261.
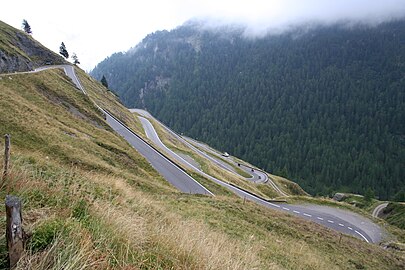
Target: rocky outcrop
x: 339, y: 197
x: 22, y: 53
x: 14, y: 63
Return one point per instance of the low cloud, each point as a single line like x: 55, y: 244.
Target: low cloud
x: 96, y: 29
x: 274, y: 16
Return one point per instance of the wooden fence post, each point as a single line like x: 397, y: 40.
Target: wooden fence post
x: 14, y: 230
x: 6, y: 156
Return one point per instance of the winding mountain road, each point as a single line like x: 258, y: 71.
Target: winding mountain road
x: 336, y: 219
x: 378, y: 209
x: 340, y: 220
x: 256, y: 175
x: 169, y: 170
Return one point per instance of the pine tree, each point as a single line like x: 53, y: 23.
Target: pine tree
x: 104, y: 81
x: 26, y: 27
x: 63, y: 51
x: 369, y: 195
x: 75, y: 59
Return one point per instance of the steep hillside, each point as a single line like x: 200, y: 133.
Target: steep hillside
x: 323, y: 106
x: 90, y: 201
x: 20, y: 52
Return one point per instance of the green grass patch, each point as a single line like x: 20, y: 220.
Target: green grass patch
x: 394, y: 214
x: 360, y: 201
x: 45, y: 233
x: 241, y: 172
x: 211, y: 185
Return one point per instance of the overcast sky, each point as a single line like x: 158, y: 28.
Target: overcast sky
x: 96, y: 29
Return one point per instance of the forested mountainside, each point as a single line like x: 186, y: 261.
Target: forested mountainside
x: 323, y: 106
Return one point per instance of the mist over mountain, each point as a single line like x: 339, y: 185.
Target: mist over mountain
x: 321, y: 104
x: 274, y: 17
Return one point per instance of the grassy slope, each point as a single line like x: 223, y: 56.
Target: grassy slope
x: 90, y: 199
x: 107, y: 100
x: 7, y: 40
x: 394, y: 214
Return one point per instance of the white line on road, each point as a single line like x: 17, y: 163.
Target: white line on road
x: 319, y: 218
x: 285, y: 208
x: 330, y: 221
x: 296, y: 212
x: 350, y: 228
x: 308, y: 215
x: 362, y: 236
x: 341, y: 225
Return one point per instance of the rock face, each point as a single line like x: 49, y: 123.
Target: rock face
x: 339, y: 197
x: 13, y: 63
x: 25, y: 53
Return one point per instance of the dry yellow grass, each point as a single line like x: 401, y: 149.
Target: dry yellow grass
x: 149, y: 223
x: 139, y: 223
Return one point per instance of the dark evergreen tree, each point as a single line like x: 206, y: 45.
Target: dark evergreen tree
x: 75, y: 59
x: 369, y: 194
x: 400, y: 195
x: 26, y: 27
x: 104, y: 81
x: 63, y: 51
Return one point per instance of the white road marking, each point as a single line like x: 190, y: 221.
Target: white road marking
x: 296, y: 212
x: 319, y: 218
x: 285, y: 208
x: 362, y: 236
x: 330, y: 221
x: 308, y: 215
x: 278, y: 206
x: 350, y: 228
x: 341, y: 225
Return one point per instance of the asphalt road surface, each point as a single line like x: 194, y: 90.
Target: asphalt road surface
x: 171, y: 172
x: 378, y: 209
